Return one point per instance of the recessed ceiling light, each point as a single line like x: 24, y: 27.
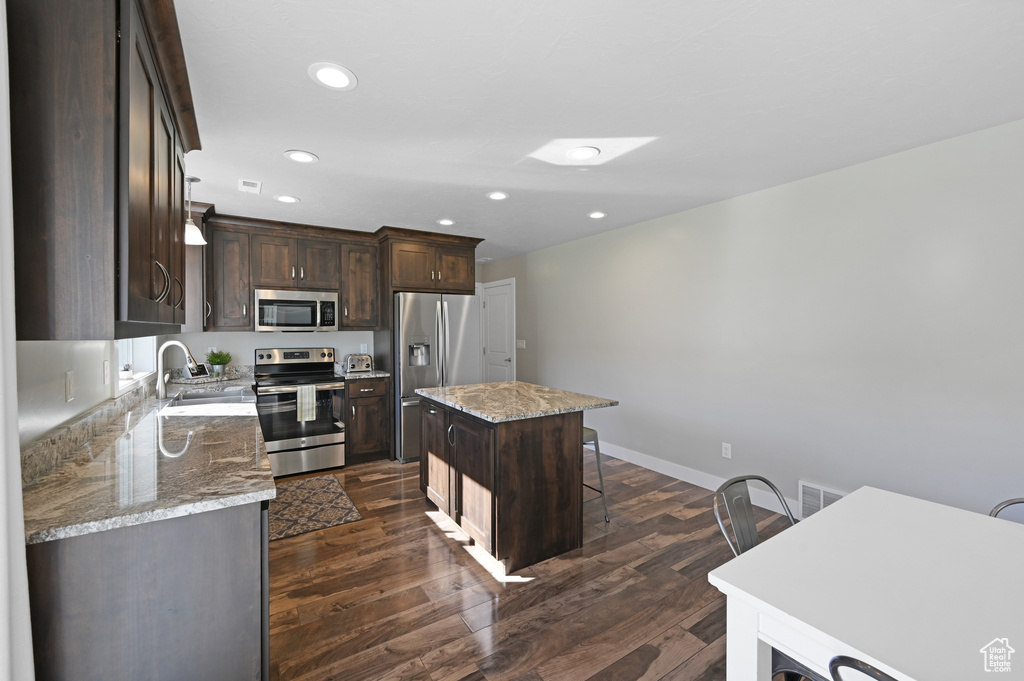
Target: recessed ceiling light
x: 332, y: 76
x: 583, y: 153
x: 597, y: 215
x: 497, y: 196
x: 446, y: 222
x: 286, y: 199
x: 300, y: 156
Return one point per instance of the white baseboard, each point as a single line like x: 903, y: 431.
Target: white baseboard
x: 763, y: 498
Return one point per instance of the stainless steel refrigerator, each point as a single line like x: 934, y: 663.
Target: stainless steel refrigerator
x: 437, y: 343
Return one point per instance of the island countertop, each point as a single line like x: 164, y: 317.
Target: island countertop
x: 512, y: 400
x: 149, y: 466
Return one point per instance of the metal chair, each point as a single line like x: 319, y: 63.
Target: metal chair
x: 590, y: 437
x: 791, y: 669
x: 999, y: 507
x: 853, y: 663
x: 735, y: 494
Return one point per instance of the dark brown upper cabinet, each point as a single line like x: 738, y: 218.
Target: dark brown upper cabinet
x: 229, y: 286
x: 280, y: 262
x: 360, y: 302
x: 426, y: 261
x: 101, y: 115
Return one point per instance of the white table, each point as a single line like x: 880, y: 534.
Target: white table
x: 912, y: 587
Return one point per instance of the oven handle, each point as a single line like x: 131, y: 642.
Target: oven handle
x: 282, y: 389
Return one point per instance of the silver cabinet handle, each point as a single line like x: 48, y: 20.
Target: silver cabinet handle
x: 209, y: 310
x: 182, y: 299
x: 439, y: 275
x: 353, y: 411
x: 293, y: 271
x: 302, y: 272
x: 431, y: 411
x: 346, y: 309
x: 431, y: 275
x: 366, y: 390
x: 167, y: 282
x: 245, y: 310
x: 450, y: 440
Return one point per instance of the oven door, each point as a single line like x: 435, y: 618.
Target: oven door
x: 300, y: 446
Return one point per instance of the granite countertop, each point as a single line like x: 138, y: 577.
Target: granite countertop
x: 356, y: 375
x: 512, y: 400
x: 145, y: 466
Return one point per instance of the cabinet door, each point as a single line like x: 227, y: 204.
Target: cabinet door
x: 435, y: 465
x: 273, y: 262
x: 360, y: 303
x: 456, y: 269
x: 318, y: 264
x: 474, y: 481
x: 144, y: 280
x: 367, y: 430
x: 412, y: 265
x: 178, y: 259
x: 232, y: 292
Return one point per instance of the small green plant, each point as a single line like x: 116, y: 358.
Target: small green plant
x: 218, y: 357
x: 126, y: 367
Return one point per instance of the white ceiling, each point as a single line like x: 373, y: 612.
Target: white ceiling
x: 454, y: 96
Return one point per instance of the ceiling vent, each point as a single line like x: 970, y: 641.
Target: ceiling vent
x: 813, y: 498
x: 250, y: 186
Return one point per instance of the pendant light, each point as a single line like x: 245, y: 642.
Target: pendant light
x: 193, y: 237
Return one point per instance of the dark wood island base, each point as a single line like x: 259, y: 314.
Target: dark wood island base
x: 511, y: 475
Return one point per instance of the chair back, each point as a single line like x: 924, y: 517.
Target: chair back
x: 1000, y: 506
x: 853, y: 663
x: 735, y: 495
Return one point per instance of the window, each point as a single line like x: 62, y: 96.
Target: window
x: 136, y: 360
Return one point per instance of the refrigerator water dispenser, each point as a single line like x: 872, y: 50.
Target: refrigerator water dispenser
x: 419, y: 354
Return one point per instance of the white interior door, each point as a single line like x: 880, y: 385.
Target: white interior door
x: 499, y: 330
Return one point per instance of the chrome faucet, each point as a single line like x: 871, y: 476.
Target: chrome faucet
x: 161, y: 378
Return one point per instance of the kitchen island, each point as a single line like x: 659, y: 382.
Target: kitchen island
x: 505, y: 462
x: 147, y: 543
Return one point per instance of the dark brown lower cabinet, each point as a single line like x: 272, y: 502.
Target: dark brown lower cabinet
x: 514, y: 487
x: 368, y: 429
x: 180, y: 598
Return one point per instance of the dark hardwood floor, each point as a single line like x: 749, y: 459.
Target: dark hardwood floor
x: 398, y: 596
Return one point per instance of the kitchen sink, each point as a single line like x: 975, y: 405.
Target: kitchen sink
x: 195, y: 397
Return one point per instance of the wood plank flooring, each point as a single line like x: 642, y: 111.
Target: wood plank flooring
x: 399, y: 597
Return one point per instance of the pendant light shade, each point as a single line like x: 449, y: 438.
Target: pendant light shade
x: 193, y: 235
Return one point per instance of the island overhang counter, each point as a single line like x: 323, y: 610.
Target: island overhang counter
x: 505, y: 462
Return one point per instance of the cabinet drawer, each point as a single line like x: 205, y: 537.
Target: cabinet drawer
x: 365, y: 387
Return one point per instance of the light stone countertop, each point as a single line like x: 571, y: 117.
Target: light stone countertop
x: 512, y: 400
x: 149, y: 467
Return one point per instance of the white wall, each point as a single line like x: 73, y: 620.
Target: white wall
x: 861, y: 327
x: 41, y: 369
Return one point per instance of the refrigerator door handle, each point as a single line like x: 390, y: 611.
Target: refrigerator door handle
x: 444, y: 328
x: 438, y: 326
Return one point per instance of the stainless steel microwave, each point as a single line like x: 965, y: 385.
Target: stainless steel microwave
x: 296, y: 310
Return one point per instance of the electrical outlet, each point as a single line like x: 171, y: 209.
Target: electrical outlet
x: 106, y: 371
x: 726, y: 450
x: 362, y: 348
x: 69, y: 386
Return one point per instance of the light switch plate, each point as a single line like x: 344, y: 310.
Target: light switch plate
x: 520, y: 344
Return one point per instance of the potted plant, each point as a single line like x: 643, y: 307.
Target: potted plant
x: 126, y: 372
x: 217, y: 360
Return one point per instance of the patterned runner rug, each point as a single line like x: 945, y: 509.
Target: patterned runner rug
x: 309, y: 504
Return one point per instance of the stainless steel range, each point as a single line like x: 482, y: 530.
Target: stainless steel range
x: 300, y: 403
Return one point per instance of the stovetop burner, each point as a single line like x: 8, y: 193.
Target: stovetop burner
x: 294, y: 366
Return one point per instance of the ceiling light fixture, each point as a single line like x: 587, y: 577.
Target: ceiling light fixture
x: 446, y: 222
x: 300, y: 156
x: 597, y: 215
x: 193, y: 235
x: 283, y: 198
x: 497, y: 196
x: 583, y: 153
x: 332, y: 76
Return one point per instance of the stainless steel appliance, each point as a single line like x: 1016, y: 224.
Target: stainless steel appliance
x: 357, y: 363
x: 437, y: 343
x: 294, y: 383
x: 296, y: 310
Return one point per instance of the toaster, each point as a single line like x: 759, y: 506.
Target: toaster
x: 355, y: 363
